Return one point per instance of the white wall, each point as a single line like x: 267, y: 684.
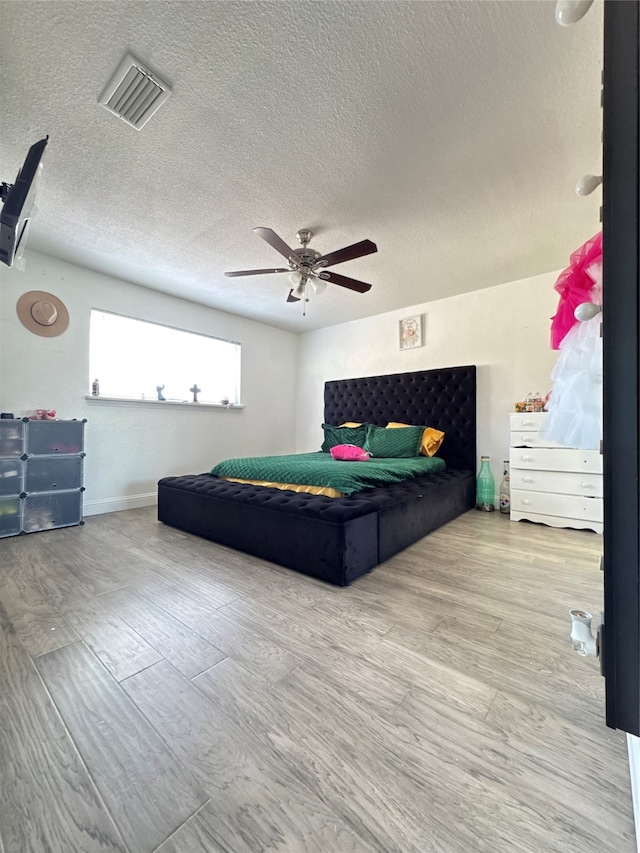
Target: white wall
x: 504, y: 330
x: 129, y: 446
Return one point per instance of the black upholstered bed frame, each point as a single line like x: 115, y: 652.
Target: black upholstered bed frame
x: 339, y: 539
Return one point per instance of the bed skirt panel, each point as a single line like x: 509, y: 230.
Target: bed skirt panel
x: 333, y: 539
x: 311, y: 534
x: 406, y: 514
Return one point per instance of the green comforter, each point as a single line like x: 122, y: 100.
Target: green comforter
x: 320, y: 469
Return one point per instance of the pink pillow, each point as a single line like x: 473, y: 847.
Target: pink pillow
x: 349, y: 453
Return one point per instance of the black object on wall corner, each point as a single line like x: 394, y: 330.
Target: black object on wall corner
x: 620, y: 651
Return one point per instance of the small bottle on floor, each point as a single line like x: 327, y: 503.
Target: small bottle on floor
x: 505, y: 493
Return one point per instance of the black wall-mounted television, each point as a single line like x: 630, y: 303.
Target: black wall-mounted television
x: 18, y: 199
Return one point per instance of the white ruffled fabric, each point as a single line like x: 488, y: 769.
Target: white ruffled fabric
x: 575, y: 405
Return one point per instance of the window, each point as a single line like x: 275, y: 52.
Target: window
x: 133, y: 358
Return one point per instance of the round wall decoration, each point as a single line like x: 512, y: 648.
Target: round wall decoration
x: 42, y: 313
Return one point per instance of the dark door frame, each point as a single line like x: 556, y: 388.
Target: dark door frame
x: 620, y: 646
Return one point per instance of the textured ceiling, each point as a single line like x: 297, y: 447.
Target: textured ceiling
x: 449, y: 133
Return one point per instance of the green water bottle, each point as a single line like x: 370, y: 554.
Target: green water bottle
x: 485, y: 487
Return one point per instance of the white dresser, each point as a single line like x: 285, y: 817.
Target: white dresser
x: 550, y: 483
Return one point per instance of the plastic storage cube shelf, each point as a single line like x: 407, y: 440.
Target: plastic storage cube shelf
x: 11, y: 476
x: 41, y: 471
x: 49, y: 473
x: 10, y: 516
x: 46, y: 511
x: 11, y: 438
x: 44, y: 437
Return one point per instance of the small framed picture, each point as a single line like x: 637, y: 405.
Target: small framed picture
x: 411, y: 332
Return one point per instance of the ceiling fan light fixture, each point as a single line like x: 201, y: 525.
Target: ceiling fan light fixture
x: 307, y: 273
x: 300, y: 290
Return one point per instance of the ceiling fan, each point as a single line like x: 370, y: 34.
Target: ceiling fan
x: 307, y: 267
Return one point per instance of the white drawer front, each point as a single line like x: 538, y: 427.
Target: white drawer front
x: 557, y: 482
x: 569, y: 506
x: 526, y: 420
x: 550, y: 459
x: 530, y: 438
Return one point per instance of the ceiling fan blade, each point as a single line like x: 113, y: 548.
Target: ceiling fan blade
x: 255, y: 272
x: 292, y: 298
x: 276, y: 242
x: 343, y: 281
x: 357, y: 250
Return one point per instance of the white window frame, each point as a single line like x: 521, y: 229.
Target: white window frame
x: 109, y: 392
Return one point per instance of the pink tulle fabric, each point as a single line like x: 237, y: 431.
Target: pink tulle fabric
x: 575, y: 285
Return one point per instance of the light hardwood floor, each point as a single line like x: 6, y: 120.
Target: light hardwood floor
x: 159, y: 692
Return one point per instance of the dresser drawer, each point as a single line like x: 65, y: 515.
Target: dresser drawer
x: 551, y: 459
x: 526, y: 421
x: 558, y: 482
x: 569, y: 506
x: 531, y: 438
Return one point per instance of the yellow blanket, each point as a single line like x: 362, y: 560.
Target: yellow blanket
x: 294, y: 487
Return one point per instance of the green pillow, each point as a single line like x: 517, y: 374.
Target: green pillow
x: 334, y: 435
x: 393, y: 443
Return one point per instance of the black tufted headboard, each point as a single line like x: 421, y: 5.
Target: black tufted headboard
x: 444, y: 398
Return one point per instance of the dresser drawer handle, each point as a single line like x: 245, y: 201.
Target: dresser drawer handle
x: 527, y: 423
x: 527, y: 479
x: 526, y: 502
x: 526, y: 458
x: 586, y: 485
x: 529, y: 438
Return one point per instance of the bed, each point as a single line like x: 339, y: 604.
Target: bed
x: 338, y: 539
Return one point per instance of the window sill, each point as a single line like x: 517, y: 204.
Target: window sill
x: 130, y: 401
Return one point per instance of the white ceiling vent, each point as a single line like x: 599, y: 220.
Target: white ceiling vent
x: 134, y: 92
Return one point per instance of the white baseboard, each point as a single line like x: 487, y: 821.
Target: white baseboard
x: 117, y: 504
x: 633, y: 745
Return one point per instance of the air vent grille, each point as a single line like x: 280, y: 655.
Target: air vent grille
x: 134, y: 93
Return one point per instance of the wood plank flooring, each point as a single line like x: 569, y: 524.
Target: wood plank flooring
x: 161, y: 693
